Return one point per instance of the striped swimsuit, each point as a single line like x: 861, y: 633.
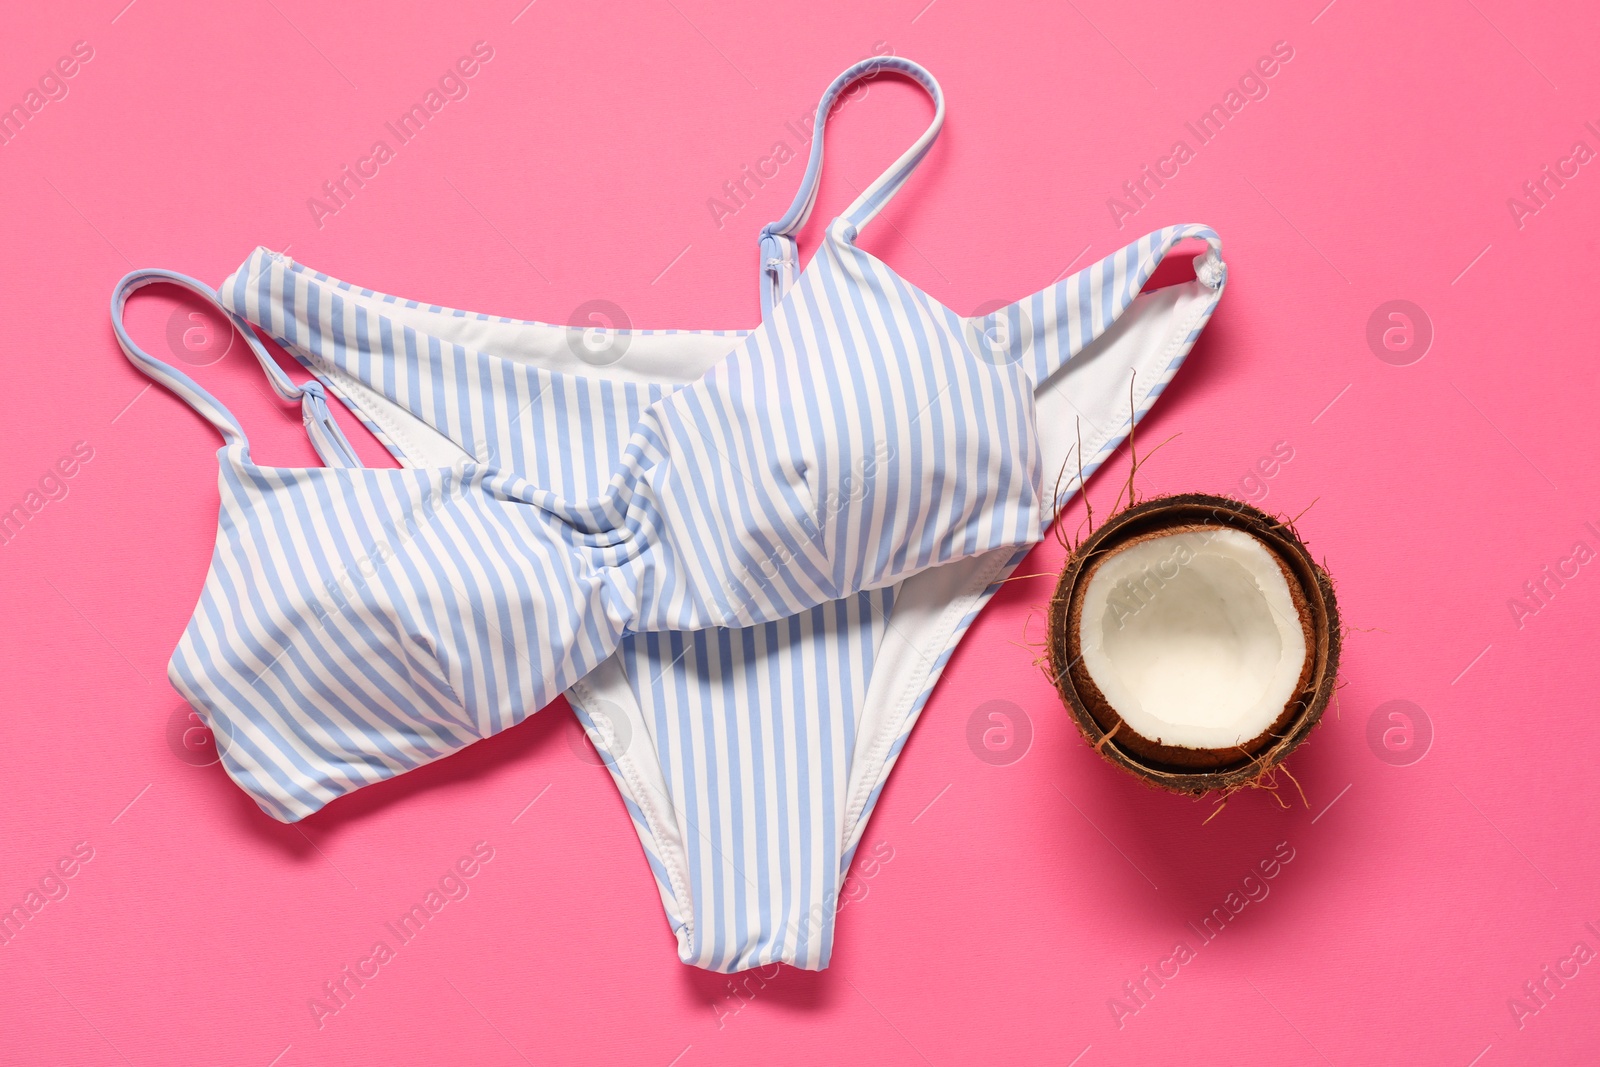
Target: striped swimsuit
x: 744, y: 556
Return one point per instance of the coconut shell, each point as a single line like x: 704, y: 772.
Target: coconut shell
x: 1185, y: 770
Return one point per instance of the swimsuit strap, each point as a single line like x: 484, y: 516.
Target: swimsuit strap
x: 326, y: 436
x: 780, y: 255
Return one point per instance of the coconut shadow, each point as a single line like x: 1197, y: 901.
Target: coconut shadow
x: 1193, y: 863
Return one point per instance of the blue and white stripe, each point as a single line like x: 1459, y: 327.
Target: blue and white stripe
x: 563, y: 526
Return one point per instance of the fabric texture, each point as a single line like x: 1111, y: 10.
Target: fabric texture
x: 744, y: 555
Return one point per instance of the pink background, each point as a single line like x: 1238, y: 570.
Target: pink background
x: 1020, y: 897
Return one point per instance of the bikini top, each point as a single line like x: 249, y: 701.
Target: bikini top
x: 860, y: 434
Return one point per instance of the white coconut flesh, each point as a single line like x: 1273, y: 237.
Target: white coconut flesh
x: 1193, y: 638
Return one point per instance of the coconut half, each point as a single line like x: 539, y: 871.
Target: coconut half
x: 1195, y: 641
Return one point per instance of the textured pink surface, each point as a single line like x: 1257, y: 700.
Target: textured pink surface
x: 1018, y: 898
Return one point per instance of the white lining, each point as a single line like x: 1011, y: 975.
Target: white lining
x: 930, y: 606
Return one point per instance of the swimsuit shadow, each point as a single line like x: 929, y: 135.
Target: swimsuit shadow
x: 1206, y: 367
x: 1157, y: 837
x: 789, y: 990
x: 506, y: 753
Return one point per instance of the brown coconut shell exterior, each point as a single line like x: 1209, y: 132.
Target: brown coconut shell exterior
x: 1195, y: 771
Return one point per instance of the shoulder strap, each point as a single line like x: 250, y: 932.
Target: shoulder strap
x: 326, y: 436
x: 780, y: 255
